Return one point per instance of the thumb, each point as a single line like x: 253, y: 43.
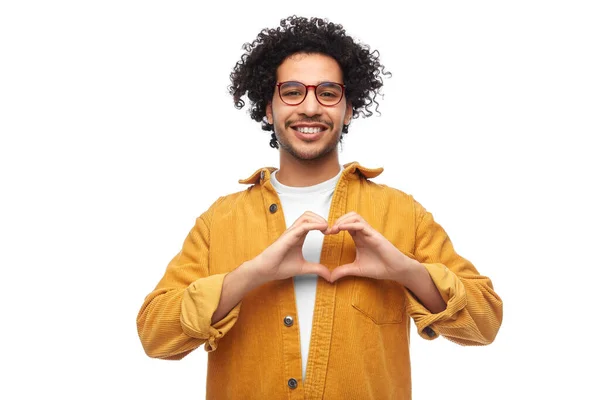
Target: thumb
x: 342, y: 271
x: 316, y: 268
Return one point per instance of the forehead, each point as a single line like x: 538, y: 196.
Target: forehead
x: 309, y: 69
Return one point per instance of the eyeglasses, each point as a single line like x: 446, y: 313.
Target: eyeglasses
x: 293, y: 93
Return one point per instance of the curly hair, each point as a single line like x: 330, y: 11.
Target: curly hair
x: 254, y: 74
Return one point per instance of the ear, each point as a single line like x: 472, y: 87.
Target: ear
x: 269, y: 112
x: 348, y: 115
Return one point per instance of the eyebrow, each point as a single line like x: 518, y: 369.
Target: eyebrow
x: 318, y: 83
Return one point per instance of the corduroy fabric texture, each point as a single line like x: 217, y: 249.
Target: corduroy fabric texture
x: 359, y: 346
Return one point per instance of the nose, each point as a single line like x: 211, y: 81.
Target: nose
x: 310, y: 106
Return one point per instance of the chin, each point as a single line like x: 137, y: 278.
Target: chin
x: 307, y: 150
x: 309, y: 154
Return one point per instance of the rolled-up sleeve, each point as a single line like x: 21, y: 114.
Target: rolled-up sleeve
x: 175, y: 318
x: 200, y: 300
x: 473, y: 313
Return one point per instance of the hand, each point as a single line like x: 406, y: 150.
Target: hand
x: 375, y: 258
x: 283, y: 259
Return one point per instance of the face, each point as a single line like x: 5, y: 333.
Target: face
x: 308, y: 131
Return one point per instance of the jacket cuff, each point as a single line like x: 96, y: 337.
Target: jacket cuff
x: 452, y: 291
x: 199, y: 303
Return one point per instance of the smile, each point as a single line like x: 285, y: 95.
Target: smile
x: 304, y: 129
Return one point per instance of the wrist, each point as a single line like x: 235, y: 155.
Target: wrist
x: 410, y: 273
x: 254, y: 276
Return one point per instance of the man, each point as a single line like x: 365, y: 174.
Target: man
x: 302, y: 285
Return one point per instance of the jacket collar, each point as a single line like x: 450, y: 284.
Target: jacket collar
x: 264, y: 174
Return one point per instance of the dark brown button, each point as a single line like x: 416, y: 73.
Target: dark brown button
x: 429, y: 332
x: 292, y: 383
x: 288, y: 321
x: 273, y: 208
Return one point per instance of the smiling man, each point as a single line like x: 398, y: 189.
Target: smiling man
x: 308, y: 126
x: 303, y: 285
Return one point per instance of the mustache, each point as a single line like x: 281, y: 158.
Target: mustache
x: 308, y: 121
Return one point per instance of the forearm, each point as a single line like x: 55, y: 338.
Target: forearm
x: 419, y: 282
x: 236, y: 285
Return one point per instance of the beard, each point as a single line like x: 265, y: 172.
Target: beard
x: 300, y: 150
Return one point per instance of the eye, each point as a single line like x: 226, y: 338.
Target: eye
x: 292, y: 93
x: 328, y: 94
x: 329, y: 91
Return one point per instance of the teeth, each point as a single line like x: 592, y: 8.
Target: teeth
x: 308, y: 130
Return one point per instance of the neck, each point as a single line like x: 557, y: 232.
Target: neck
x: 300, y: 173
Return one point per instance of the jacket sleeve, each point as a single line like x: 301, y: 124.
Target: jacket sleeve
x: 175, y: 318
x: 473, y: 313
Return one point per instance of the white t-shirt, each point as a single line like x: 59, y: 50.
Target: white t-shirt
x: 295, y: 201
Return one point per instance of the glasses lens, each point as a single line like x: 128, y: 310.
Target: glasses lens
x: 292, y: 92
x: 329, y: 93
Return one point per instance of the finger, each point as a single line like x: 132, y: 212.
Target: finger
x: 343, y: 271
x: 317, y: 216
x: 303, y: 220
x: 301, y: 230
x: 350, y: 217
x: 306, y: 217
x: 354, y: 227
x: 312, y: 217
x: 333, y: 229
x: 351, y: 214
x: 318, y: 269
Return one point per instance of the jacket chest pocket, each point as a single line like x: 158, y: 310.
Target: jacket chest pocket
x: 380, y: 300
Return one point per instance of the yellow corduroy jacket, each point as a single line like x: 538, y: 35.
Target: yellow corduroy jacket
x: 359, y: 346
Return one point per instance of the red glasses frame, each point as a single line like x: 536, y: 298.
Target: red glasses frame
x: 315, y: 92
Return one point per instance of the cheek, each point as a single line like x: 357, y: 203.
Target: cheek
x: 279, y: 115
x: 340, y: 116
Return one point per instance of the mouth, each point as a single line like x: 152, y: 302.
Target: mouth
x: 309, y: 133
x: 309, y: 130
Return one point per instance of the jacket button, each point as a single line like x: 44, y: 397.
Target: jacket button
x: 429, y: 332
x: 288, y: 321
x: 292, y: 383
x: 273, y: 208
x: 262, y: 175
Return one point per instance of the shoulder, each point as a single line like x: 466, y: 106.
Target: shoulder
x: 227, y: 202
x: 389, y: 192
x: 397, y: 199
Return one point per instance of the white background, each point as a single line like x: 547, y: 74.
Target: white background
x: 117, y: 132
